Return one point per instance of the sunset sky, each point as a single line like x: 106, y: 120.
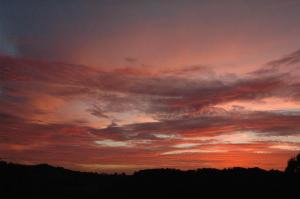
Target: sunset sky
x: 123, y: 85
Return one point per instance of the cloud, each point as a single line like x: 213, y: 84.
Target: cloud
x: 133, y: 118
x: 185, y: 145
x: 184, y: 151
x: 293, y: 58
x: 130, y: 59
x: 165, y: 136
x: 112, y: 143
x: 286, y: 147
x: 164, y: 97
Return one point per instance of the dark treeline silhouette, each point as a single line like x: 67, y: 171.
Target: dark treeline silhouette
x: 293, y: 166
x: 44, y: 181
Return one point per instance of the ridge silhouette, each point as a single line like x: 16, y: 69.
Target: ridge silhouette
x: 45, y: 181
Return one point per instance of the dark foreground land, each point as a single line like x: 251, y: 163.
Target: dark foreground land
x: 44, y: 181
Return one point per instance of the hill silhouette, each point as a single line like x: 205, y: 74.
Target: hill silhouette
x: 45, y: 181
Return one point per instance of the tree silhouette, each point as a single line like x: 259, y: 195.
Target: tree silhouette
x: 293, y: 166
x: 45, y: 181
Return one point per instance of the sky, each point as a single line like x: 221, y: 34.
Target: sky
x: 119, y: 86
